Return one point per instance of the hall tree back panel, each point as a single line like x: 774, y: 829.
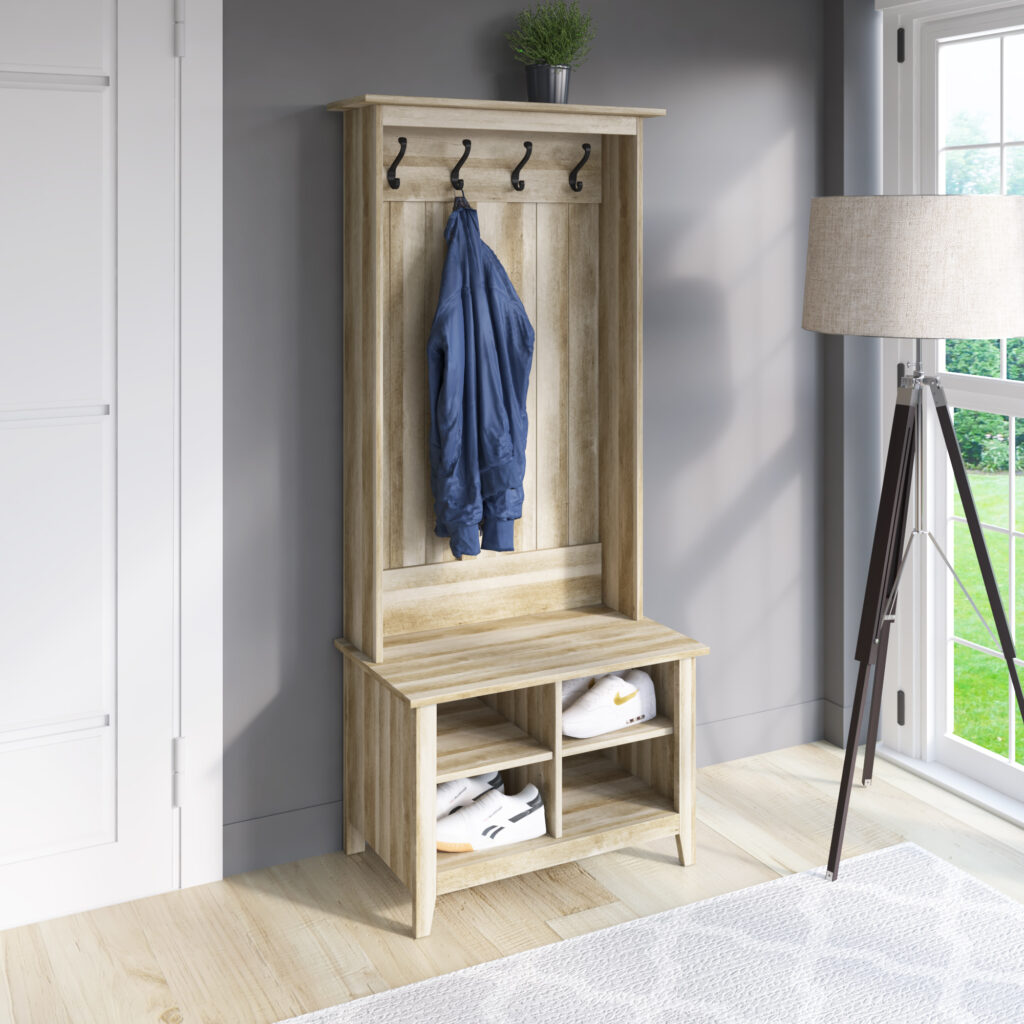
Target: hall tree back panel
x: 456, y: 666
x: 550, y: 251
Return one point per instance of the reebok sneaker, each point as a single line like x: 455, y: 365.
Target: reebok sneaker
x: 496, y: 819
x: 462, y: 792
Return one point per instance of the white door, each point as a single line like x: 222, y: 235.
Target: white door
x: 88, y: 597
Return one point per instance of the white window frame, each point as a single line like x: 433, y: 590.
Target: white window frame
x: 920, y: 651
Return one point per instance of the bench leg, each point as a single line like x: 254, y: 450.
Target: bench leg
x: 354, y: 839
x: 424, y: 838
x: 685, y: 725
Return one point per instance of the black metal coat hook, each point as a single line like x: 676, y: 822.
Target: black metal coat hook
x: 457, y: 182
x: 392, y: 180
x: 516, y: 183
x: 577, y: 186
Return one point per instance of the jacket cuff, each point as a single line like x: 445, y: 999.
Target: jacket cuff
x: 498, y: 534
x: 465, y: 539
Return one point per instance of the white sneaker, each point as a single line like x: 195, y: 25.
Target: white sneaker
x: 613, y: 702
x: 462, y: 792
x: 496, y: 819
x: 573, y: 688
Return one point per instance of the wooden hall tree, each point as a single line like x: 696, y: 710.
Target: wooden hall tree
x: 453, y: 668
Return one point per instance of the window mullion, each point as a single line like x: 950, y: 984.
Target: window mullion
x: 1011, y: 596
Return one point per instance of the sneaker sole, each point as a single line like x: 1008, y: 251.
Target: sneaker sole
x: 455, y: 847
x: 614, y: 728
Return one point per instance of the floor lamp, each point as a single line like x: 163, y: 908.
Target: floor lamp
x: 912, y: 267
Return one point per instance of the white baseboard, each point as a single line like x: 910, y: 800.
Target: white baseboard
x: 759, y: 732
x: 952, y: 781
x: 280, y: 838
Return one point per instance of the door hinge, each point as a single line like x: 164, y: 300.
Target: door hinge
x: 901, y: 44
x: 179, y: 28
x: 177, y: 769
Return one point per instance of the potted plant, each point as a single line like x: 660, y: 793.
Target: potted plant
x: 550, y: 40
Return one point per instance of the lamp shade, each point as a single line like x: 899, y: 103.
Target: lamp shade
x: 916, y: 266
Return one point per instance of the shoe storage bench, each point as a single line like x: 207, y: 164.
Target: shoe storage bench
x: 454, y: 668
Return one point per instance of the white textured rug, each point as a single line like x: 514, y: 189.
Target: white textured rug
x: 901, y: 938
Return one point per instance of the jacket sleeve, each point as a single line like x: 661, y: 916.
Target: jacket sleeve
x: 446, y: 367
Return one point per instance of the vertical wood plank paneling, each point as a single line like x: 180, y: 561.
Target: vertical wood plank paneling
x: 436, y: 549
x: 412, y: 268
x: 685, y: 722
x: 381, y: 777
x: 525, y: 536
x: 551, y: 253
x: 370, y: 746
x: 421, y: 757
x: 584, y: 248
x: 664, y: 776
x: 552, y: 359
x: 362, y: 368
x: 510, y: 229
x: 394, y: 231
x: 391, y: 754
x: 416, y: 269
x: 353, y: 689
x: 621, y: 377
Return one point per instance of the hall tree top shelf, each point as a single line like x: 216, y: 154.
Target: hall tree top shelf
x: 558, y: 115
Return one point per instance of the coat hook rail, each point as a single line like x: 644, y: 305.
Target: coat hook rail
x: 393, y: 181
x: 517, y: 184
x: 577, y: 186
x: 457, y: 182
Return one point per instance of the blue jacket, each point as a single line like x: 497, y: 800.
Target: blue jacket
x: 479, y: 356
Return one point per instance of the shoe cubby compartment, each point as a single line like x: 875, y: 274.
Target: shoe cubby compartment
x: 598, y: 791
x: 654, y: 728
x: 453, y: 668
x: 473, y: 737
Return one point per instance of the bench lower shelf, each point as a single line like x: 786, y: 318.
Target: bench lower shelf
x: 603, y: 808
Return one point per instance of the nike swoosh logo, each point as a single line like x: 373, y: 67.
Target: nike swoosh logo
x: 619, y: 699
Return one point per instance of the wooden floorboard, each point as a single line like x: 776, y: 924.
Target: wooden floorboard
x: 271, y: 944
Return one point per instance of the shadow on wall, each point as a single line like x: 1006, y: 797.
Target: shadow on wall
x: 282, y: 539
x: 507, y: 74
x: 732, y: 443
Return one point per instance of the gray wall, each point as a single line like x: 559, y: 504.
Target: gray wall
x: 734, y: 470
x: 853, y: 166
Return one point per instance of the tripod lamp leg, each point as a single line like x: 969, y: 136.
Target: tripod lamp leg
x: 876, y: 706
x: 849, y: 770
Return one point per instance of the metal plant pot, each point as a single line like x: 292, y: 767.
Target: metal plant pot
x: 547, y: 83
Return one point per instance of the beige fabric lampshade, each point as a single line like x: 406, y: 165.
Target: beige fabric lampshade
x: 916, y: 266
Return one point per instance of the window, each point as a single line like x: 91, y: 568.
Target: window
x: 958, y: 101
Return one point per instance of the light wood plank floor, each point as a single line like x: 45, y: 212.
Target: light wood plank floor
x: 272, y: 944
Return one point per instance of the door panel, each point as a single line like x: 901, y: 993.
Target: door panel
x: 55, y: 267
x: 88, y: 464
x: 56, y: 36
x: 57, y: 586
x: 65, y: 796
